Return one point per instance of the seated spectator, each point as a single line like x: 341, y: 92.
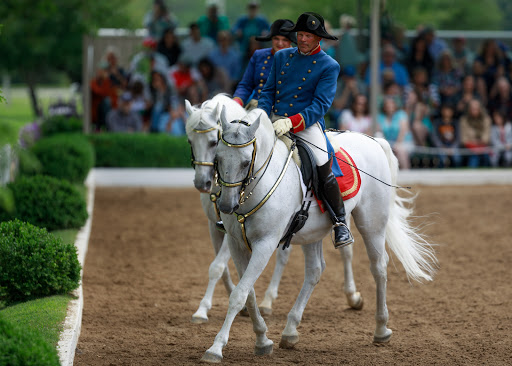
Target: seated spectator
x: 447, y: 78
x: 144, y: 62
x: 467, y: 93
x: 213, y: 79
x: 348, y: 88
x: 445, y: 136
x: 116, y: 73
x: 501, y: 140
x: 185, y: 79
x: 159, y: 19
x: 477, y: 70
x: 357, y: 117
x: 475, y: 131
x: 124, y: 119
x: 435, y: 45
x: 462, y: 55
x: 389, y: 61
x: 418, y: 116
x: 196, y: 47
x: 500, y: 98
x: 212, y: 23
x: 161, y: 96
x: 419, y: 57
x: 427, y: 92
x: 390, y: 89
x: 141, y: 102
x: 492, y: 63
x: 348, y: 54
x: 226, y: 57
x: 103, y: 97
x: 394, y: 127
x: 169, y: 46
x: 250, y: 25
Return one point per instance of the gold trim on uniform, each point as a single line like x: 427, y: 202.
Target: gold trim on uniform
x: 314, y: 62
x: 287, y: 64
x: 291, y: 105
x: 259, y: 90
x: 263, y: 68
x: 295, y: 96
x: 265, y: 62
x: 282, y: 72
x: 309, y: 71
x: 277, y: 92
x: 300, y: 87
x: 261, y: 74
x: 279, y: 82
x: 303, y: 79
x: 278, y: 101
x: 286, y: 114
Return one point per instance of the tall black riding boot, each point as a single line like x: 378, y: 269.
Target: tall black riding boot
x: 331, y: 195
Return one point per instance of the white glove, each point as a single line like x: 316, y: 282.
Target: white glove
x: 281, y: 126
x: 253, y: 103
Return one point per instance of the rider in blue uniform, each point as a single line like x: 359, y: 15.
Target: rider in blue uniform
x: 299, y: 91
x: 250, y: 87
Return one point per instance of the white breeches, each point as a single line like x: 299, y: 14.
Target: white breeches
x: 315, y: 135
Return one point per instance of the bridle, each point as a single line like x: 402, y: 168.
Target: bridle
x: 195, y: 162
x: 241, y: 218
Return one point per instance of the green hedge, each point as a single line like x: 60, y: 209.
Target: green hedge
x: 140, y: 150
x: 47, y: 202
x: 65, y: 156
x: 60, y: 124
x: 24, y: 347
x: 34, y: 263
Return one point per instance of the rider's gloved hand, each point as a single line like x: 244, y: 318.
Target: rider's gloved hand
x: 253, y: 103
x: 281, y: 126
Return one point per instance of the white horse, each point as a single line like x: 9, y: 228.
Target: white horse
x: 203, y: 131
x: 273, y: 194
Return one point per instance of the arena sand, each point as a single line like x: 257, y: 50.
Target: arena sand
x: 147, y: 269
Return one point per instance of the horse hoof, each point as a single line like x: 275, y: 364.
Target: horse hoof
x: 265, y: 350
x: 264, y: 311
x: 198, y: 320
x: 383, y: 339
x: 288, y: 342
x: 358, y: 304
x: 244, y: 311
x: 210, y: 357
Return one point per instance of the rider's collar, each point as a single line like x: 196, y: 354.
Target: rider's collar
x: 314, y: 51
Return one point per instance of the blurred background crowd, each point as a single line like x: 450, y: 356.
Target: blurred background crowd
x: 443, y: 103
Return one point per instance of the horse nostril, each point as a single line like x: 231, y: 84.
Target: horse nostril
x: 236, y: 207
x: 208, y: 184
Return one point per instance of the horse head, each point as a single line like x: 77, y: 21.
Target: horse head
x: 235, y: 159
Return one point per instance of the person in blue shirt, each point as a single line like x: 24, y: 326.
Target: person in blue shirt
x: 249, y: 88
x: 250, y: 25
x: 299, y: 91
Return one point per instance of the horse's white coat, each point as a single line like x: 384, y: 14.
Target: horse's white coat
x: 378, y: 213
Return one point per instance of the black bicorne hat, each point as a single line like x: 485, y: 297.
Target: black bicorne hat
x: 277, y: 29
x: 311, y: 23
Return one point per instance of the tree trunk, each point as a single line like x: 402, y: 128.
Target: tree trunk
x: 31, y: 83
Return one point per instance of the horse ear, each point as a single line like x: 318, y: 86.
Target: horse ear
x: 216, y: 112
x: 223, y: 117
x: 188, y: 107
x: 254, y: 126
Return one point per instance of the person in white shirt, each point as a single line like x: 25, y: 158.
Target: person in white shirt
x: 357, y: 117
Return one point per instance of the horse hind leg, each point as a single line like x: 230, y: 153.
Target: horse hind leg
x: 314, y: 266
x: 354, y: 298
x: 375, y: 247
x: 282, y: 257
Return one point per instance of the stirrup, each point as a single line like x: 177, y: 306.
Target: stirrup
x: 219, y: 225
x: 347, y: 242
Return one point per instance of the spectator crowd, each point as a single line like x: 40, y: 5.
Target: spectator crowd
x: 442, y: 104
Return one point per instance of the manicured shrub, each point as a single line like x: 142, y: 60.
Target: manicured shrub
x: 47, y: 202
x: 34, y: 263
x: 65, y: 156
x: 61, y: 124
x: 140, y: 150
x: 23, y: 347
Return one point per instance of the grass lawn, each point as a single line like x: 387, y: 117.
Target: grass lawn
x: 18, y: 111
x: 44, y: 316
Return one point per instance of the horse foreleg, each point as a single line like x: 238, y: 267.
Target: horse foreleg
x: 282, y: 257
x: 314, y: 266
x: 249, y: 268
x: 375, y: 247
x: 218, y: 268
x: 354, y: 298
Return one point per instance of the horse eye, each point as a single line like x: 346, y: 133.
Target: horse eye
x: 212, y: 143
x: 245, y: 164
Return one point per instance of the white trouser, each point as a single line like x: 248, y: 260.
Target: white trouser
x: 315, y: 135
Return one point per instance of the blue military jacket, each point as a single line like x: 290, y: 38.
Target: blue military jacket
x: 255, y: 75
x: 302, y: 88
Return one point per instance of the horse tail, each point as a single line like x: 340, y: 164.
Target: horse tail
x: 405, y: 241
